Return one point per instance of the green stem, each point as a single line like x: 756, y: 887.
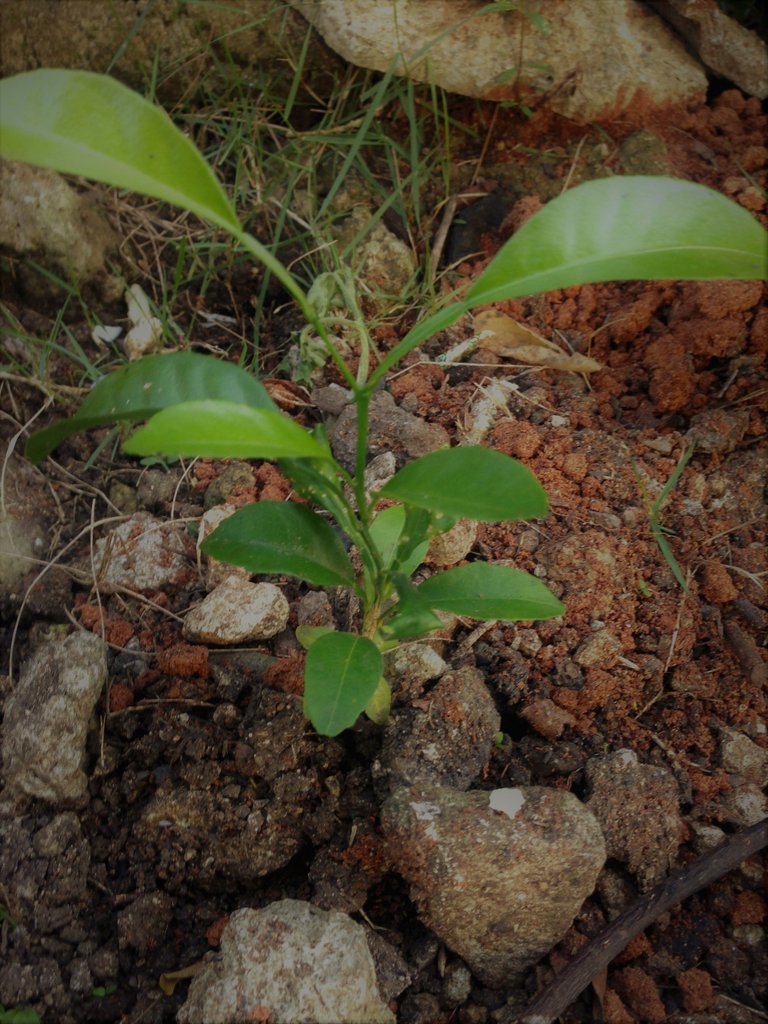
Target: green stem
x: 273, y: 264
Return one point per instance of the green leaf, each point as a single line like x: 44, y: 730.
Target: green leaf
x: 469, y: 482
x: 484, y: 591
x: 378, y: 707
x: 307, y: 635
x: 282, y: 537
x: 83, y: 123
x: 626, y: 228
x: 411, y: 616
x: 138, y: 391
x: 223, y: 430
x: 341, y: 675
x: 400, y: 539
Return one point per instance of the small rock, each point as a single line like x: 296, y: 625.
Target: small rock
x: 143, y: 924
x: 452, y: 546
x: 143, y: 554
x: 602, y: 649
x: 46, y: 719
x: 238, y: 611
x: 444, y: 739
x: 217, y: 572
x: 411, y: 666
x: 547, y: 718
x: 457, y: 984
x: 637, y: 806
x: 332, y: 399
x: 237, y: 476
x: 314, y: 609
x: 80, y: 977
x: 497, y: 876
x: 716, y: 583
x: 740, y: 756
x: 390, y: 429
x: 744, y: 805
x: 718, y: 430
x: 288, y: 962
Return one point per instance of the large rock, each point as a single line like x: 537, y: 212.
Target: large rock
x: 145, y: 554
x: 597, y: 60
x: 46, y: 719
x: 289, y: 962
x: 175, y: 37
x: 497, y: 876
x: 43, y: 218
x: 726, y: 47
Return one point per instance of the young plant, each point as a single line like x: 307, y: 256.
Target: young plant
x: 653, y: 508
x: 612, y: 229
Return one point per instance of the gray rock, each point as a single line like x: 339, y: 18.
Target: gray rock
x: 638, y: 808
x: 144, y: 554
x: 390, y: 429
x: 238, y: 611
x: 452, y: 546
x: 470, y: 55
x: 741, y: 756
x: 744, y: 805
x: 46, y: 719
x: 602, y: 648
x: 444, y: 742
x: 42, y: 217
x: 217, y: 572
x: 497, y: 876
x: 143, y: 924
x: 292, y: 961
x: 410, y: 666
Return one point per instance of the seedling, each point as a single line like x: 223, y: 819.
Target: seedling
x: 653, y: 509
x: 613, y: 229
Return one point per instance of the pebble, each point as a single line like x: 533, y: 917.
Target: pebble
x: 217, y: 572
x: 741, y: 756
x: 497, y: 876
x: 143, y: 924
x: 289, y: 961
x: 602, y: 648
x: 238, y: 611
x: 547, y: 718
x: 452, y: 546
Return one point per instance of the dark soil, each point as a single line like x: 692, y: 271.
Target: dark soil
x: 124, y: 900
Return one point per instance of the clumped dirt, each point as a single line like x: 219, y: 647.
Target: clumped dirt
x: 118, y: 896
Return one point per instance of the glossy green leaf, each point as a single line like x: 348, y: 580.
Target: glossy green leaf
x: 398, y: 539
x: 307, y: 635
x: 626, y: 228
x: 470, y: 482
x: 282, y: 537
x: 484, y: 591
x: 223, y: 430
x: 378, y: 707
x: 138, y: 391
x: 411, y: 616
x: 341, y: 676
x: 83, y: 123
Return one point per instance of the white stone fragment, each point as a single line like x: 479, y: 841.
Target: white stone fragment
x: 238, y: 611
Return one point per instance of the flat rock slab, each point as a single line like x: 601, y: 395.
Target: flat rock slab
x: 46, y: 719
x: 498, y: 876
x: 288, y: 962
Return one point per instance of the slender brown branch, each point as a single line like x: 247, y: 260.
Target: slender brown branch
x: 596, y: 956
